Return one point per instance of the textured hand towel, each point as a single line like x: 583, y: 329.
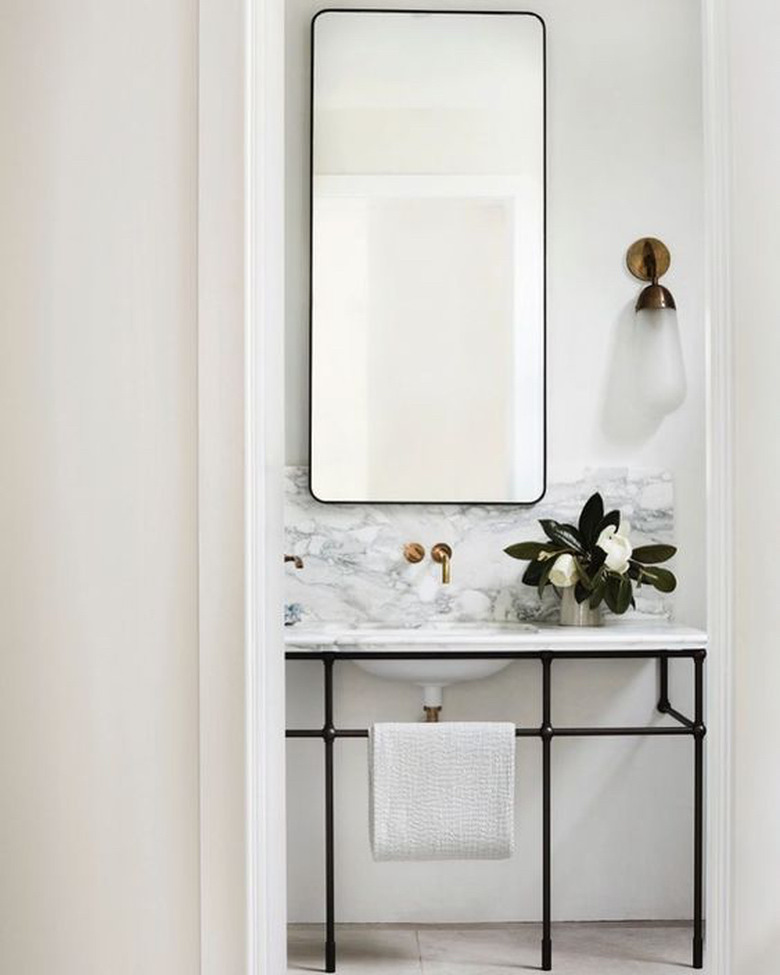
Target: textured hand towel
x: 442, y: 791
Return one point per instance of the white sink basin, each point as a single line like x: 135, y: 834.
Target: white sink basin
x: 432, y: 673
x: 442, y: 637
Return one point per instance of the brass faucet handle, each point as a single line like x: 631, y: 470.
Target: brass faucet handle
x: 414, y: 552
x: 442, y: 554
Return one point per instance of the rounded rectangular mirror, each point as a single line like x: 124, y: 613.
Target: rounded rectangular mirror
x: 428, y: 257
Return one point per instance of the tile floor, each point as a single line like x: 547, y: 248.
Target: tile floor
x: 629, y: 948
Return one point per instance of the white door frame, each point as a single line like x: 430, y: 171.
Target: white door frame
x: 266, y: 827
x: 720, y: 485
x: 264, y: 332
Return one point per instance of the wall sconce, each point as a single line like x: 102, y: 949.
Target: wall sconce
x: 661, y: 372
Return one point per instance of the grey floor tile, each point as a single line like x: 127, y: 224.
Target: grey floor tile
x: 363, y: 949
x: 578, y: 949
x: 485, y: 948
x: 622, y: 949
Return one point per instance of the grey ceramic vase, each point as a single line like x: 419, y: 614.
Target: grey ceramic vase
x: 577, y: 614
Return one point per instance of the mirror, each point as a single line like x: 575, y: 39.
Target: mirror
x: 427, y: 290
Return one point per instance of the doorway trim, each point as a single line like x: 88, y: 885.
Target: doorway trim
x: 266, y: 867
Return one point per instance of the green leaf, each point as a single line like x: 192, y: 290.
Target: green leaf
x: 612, y: 518
x: 599, y: 577
x: 597, y: 596
x: 597, y: 559
x: 527, y: 551
x: 624, y: 595
x: 533, y: 572
x: 611, y: 592
x: 566, y: 535
x: 581, y: 592
x: 651, y: 554
x: 590, y: 519
x: 662, y: 579
x: 583, y: 576
x: 618, y: 593
x: 544, y: 577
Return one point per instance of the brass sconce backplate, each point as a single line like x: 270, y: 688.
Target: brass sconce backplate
x: 648, y: 258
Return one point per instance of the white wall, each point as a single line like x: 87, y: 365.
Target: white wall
x: 622, y: 809
x: 754, y: 47
x: 98, y: 517
x: 221, y: 484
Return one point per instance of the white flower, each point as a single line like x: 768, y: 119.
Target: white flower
x: 564, y: 572
x: 617, y: 547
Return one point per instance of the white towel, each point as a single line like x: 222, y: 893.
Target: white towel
x: 442, y: 791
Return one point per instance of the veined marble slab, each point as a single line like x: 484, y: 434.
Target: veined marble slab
x: 649, y: 633
x: 354, y: 570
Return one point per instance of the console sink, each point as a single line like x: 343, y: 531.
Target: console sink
x: 429, y: 674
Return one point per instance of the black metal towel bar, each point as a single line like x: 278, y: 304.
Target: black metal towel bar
x: 546, y: 732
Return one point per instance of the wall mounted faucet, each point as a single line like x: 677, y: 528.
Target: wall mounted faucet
x: 296, y: 559
x: 442, y: 553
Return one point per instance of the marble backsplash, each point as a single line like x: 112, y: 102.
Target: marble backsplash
x: 354, y: 570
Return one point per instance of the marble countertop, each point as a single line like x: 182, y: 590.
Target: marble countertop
x: 635, y: 634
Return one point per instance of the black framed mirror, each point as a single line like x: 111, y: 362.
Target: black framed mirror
x: 428, y: 257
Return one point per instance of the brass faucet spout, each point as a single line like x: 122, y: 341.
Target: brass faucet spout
x: 296, y: 559
x: 442, y: 554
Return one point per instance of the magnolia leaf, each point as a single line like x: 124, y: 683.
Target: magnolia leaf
x: 533, y: 572
x: 651, y: 554
x: 617, y: 592
x: 597, y: 558
x: 581, y: 592
x: 612, y: 518
x: 566, y: 535
x: 611, y: 592
x: 596, y: 596
x: 527, y: 551
x: 590, y: 519
x: 624, y: 594
x: 598, y: 577
x: 583, y: 575
x: 544, y: 577
x: 662, y: 579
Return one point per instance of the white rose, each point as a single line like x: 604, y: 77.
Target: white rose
x: 564, y: 572
x: 617, y: 547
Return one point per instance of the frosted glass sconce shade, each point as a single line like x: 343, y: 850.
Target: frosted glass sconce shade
x: 660, y: 365
x: 661, y: 370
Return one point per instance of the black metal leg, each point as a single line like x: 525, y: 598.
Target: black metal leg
x: 699, y: 731
x: 329, y: 737
x: 663, y: 694
x: 547, y: 733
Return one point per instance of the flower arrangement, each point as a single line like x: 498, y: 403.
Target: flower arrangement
x: 596, y: 558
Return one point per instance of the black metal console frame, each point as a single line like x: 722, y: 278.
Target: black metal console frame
x: 693, y: 728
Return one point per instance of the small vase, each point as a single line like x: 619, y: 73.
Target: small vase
x: 577, y: 614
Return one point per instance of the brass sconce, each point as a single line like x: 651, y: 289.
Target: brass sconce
x: 661, y: 375
x: 649, y: 259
